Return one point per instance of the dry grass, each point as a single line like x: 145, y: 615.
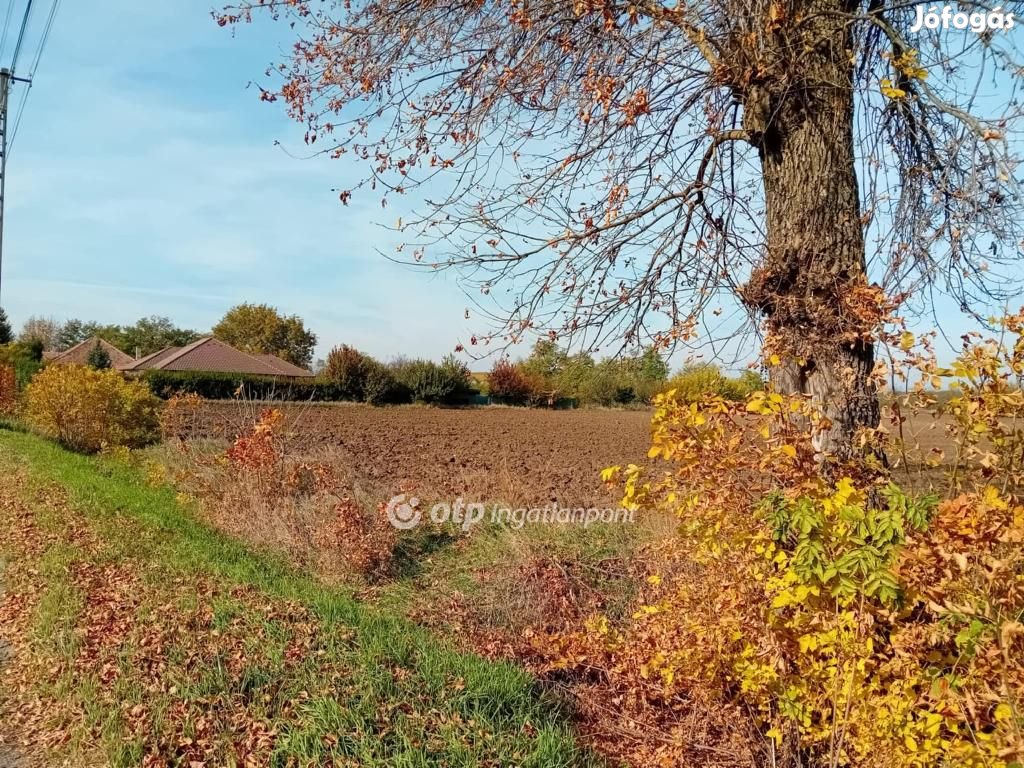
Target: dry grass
x: 499, y: 592
x: 141, y: 637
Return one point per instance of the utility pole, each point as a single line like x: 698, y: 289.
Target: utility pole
x: 6, y: 78
x: 5, y: 87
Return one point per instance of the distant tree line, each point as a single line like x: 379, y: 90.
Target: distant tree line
x: 550, y: 374
x: 145, y: 336
x: 253, y: 328
x: 548, y: 377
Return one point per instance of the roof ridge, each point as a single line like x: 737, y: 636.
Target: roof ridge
x: 101, y: 340
x: 71, y: 349
x: 94, y: 338
x: 258, y: 357
x: 220, y: 356
x: 286, y: 366
x: 183, y: 350
x: 151, y: 355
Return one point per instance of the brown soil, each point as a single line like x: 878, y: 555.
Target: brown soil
x: 511, y: 455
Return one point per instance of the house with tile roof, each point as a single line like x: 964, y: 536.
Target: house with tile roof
x: 206, y: 354
x: 79, y: 355
x: 212, y: 355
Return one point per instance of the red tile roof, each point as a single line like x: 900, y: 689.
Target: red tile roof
x: 286, y: 368
x: 210, y: 354
x: 79, y: 355
x: 151, y: 360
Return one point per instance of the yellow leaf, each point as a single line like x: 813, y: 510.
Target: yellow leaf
x: 890, y: 91
x: 993, y: 500
x: 783, y: 599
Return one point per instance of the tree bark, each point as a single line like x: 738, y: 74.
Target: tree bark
x: 800, y: 116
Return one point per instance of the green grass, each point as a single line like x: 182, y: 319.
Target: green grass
x: 453, y: 565
x: 369, y: 687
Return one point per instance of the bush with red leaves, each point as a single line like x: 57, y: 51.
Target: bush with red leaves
x: 509, y: 385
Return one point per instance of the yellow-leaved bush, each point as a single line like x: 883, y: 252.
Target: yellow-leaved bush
x: 822, y: 613
x: 8, y: 390
x: 89, y: 410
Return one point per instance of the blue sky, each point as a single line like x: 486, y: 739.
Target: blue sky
x: 145, y: 180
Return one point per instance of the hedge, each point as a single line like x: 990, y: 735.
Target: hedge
x: 225, y: 386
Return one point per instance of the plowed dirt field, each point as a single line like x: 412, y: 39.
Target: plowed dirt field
x: 512, y: 455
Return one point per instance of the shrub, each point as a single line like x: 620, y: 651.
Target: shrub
x: 34, y: 349
x: 226, y: 386
x: 8, y: 390
x: 421, y: 378
x: 747, y: 384
x: 541, y: 393
x: 598, y: 388
x: 180, y: 416
x: 381, y: 385
x: 841, y: 619
x: 98, y: 358
x: 258, y: 492
x: 625, y: 394
x: 428, y: 382
x: 508, y: 384
x: 348, y: 369
x: 25, y: 371
x: 359, y: 377
x: 382, y: 388
x: 24, y: 359
x: 461, y: 380
x: 87, y: 410
x: 695, y: 381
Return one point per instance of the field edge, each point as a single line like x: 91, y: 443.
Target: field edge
x: 114, y: 497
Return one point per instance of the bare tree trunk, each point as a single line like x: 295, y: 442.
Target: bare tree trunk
x: 802, y: 124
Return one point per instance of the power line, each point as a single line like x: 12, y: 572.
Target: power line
x: 32, y: 71
x: 7, y: 76
x: 7, y: 24
x: 18, y: 114
x: 44, y: 38
x: 21, y: 35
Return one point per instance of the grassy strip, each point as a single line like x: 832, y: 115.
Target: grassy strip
x: 368, y: 688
